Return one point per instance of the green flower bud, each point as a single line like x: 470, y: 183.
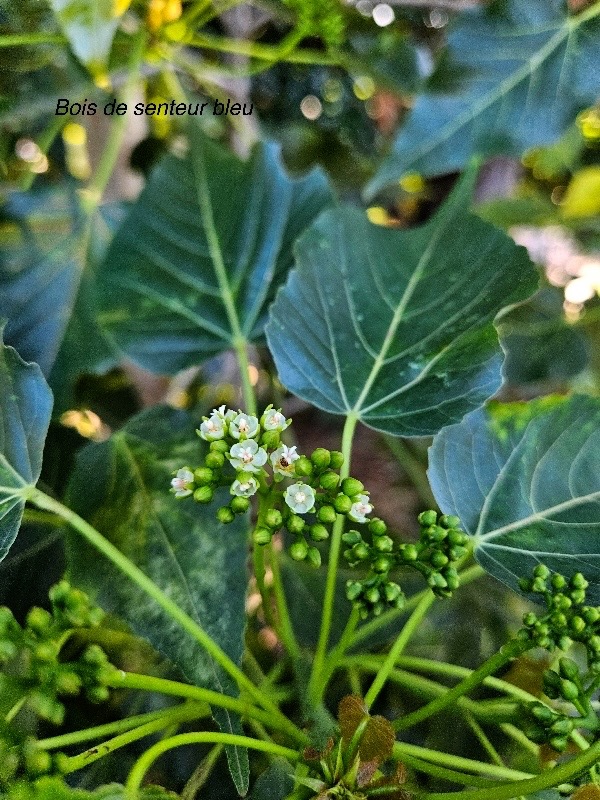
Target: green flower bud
x: 336, y: 459
x: 360, y: 551
x: 7, y: 651
x: 452, y: 578
x: 295, y: 524
x: 558, y: 619
x: 97, y: 694
x: 68, y: 682
x: 273, y: 519
x: 536, y: 733
x: 377, y: 527
x: 392, y: 592
x: 61, y: 763
x: 558, y: 582
x: 562, y: 726
x: 262, y: 536
x: 326, y: 514
x: 239, y: 505
x: 427, y: 518
x: 449, y: 521
x: 457, y: 552
x: 313, y: 557
x: 299, y: 550
x: 382, y: 564
x: 538, y: 586
x: 342, y: 503
x: 38, y: 620
x: 225, y: 515
x: 204, y: 494
x: 219, y: 446
x: 578, y: 596
x: 351, y: 487
x: 457, y: 538
x: 47, y: 707
x: 353, y: 590
x: 569, y: 669
x: 568, y: 690
x: 542, y: 712
x: 435, y: 534
x: 351, y: 537
x: 203, y: 476
x: 438, y: 559
x: 271, y: 440
x: 319, y: 533
x: 303, y: 466
x: 383, y: 544
x: 541, y: 571
x: 578, y: 581
x: 321, y: 458
x: 558, y: 743
x: 590, y: 614
x: 37, y: 762
x: 329, y: 480
x: 593, y: 643
x: 437, y: 581
x: 529, y: 619
x: 214, y: 459
x: 46, y: 652
x: 561, y: 602
x: 409, y: 552
x: 372, y: 595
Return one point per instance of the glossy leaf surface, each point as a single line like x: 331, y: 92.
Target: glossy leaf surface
x: 25, y: 408
x: 122, y: 487
x: 525, y: 481
x: 396, y: 326
x: 173, y: 291
x: 514, y: 76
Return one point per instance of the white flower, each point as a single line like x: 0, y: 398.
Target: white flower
x: 360, y: 508
x: 226, y: 414
x: 245, y: 486
x: 300, y: 497
x: 273, y: 420
x: 212, y: 428
x: 243, y: 427
x: 183, y: 483
x: 283, y: 460
x: 247, y: 456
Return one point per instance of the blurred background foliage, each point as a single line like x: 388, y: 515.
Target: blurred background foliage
x: 340, y: 85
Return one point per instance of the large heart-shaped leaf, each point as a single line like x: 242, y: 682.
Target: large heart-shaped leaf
x: 514, y: 76
x: 525, y: 481
x: 201, y: 253
x: 25, y: 408
x: 395, y: 327
x: 122, y: 487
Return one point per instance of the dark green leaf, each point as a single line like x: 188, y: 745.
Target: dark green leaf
x: 395, y: 327
x: 515, y: 74
x: 41, y: 259
x: 524, y: 479
x: 539, y: 344
x: 25, y: 408
x: 275, y: 783
x: 122, y: 487
x: 160, y: 292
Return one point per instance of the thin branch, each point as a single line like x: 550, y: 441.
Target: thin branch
x: 449, y: 5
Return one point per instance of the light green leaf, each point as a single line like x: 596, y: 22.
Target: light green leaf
x: 25, y: 408
x: 514, y: 75
x: 199, y: 257
x: 122, y: 487
x: 90, y: 26
x: 396, y: 327
x: 524, y: 479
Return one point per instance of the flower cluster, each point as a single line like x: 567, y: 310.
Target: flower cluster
x: 567, y: 619
x: 441, y: 544
x: 306, y: 494
x: 32, y: 662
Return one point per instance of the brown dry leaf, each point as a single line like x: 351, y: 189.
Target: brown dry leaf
x: 590, y: 791
x: 377, y: 741
x: 351, y: 712
x: 366, y: 771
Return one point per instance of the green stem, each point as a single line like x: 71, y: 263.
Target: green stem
x: 258, y: 561
x: 443, y: 772
x: 458, y: 762
x: 135, y: 574
x: 143, y: 764
x: 407, y: 631
x: 483, y: 738
x: 390, y: 617
x: 110, y: 728
x: 131, y: 680
x: 337, y: 653
x: 546, y: 780
x: 33, y: 517
x: 285, y: 624
x: 184, y: 713
x: 24, y: 39
x: 264, y: 52
x: 514, y: 648
x: 332, y: 567
x: 202, y: 773
x: 92, y: 194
